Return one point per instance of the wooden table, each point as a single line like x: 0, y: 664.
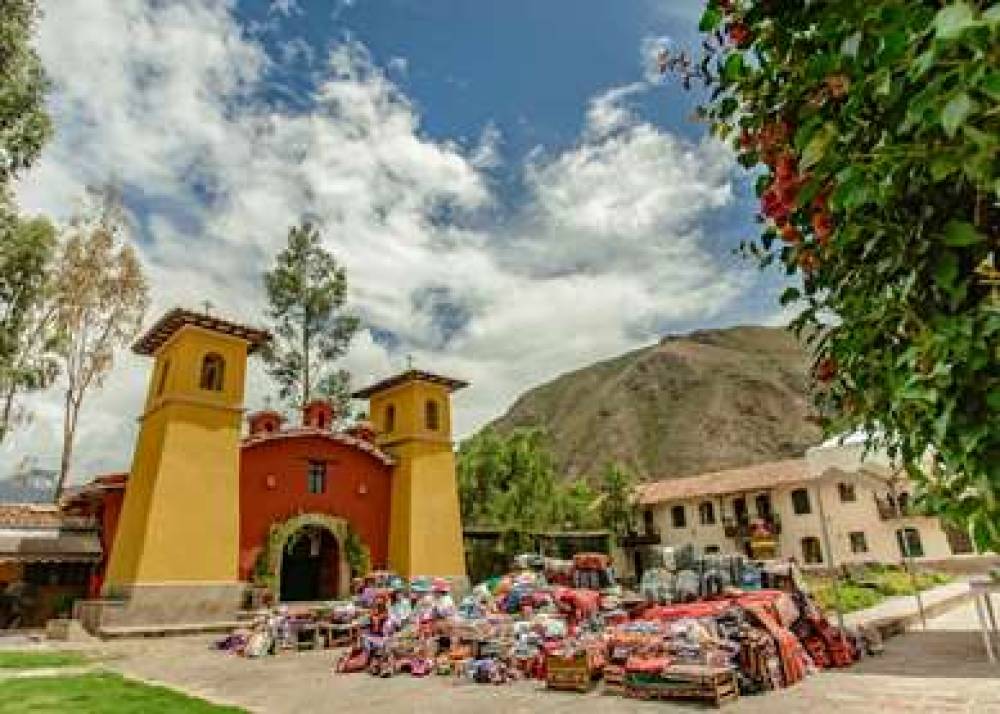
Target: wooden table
x: 982, y: 590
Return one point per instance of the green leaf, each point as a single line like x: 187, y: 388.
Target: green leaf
x: 733, y: 68
x: 790, y: 295
x: 952, y: 20
x: 990, y: 83
x: 946, y: 270
x: 943, y: 165
x: 955, y: 113
x: 817, y: 145
x: 710, y: 19
x: 959, y: 234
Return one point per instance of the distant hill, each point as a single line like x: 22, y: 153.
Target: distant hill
x: 710, y: 400
x: 34, y: 485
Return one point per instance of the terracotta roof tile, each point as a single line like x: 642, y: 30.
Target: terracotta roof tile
x: 716, y: 483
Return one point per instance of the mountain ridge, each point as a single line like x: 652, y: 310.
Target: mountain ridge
x: 704, y: 401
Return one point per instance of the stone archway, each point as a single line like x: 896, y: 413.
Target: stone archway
x: 353, y: 554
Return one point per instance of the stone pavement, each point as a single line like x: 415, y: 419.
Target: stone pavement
x: 942, y: 669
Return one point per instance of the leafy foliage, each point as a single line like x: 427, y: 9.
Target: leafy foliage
x: 306, y: 290
x: 619, y: 512
x: 100, y: 298
x: 874, y: 133
x: 28, y: 338
x: 24, y: 124
x: 511, y: 481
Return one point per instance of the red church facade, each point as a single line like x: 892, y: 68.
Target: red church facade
x: 309, y: 473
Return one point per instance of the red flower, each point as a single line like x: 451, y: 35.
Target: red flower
x: 826, y: 370
x: 791, y: 234
x: 822, y: 223
x: 808, y: 261
x: 772, y: 206
x: 739, y: 34
x: 785, y: 168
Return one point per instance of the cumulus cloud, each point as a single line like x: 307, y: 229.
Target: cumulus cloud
x: 606, y: 248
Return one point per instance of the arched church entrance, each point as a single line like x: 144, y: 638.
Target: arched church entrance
x: 310, y: 566
x: 312, y: 556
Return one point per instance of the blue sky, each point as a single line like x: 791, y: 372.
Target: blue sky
x: 513, y: 191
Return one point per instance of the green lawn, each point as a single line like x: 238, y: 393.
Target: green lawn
x: 98, y: 694
x: 17, y: 659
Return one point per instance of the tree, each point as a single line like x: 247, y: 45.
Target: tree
x: 618, y: 506
x: 306, y: 291
x: 101, y: 297
x: 28, y: 338
x: 24, y: 124
x: 511, y: 481
x: 873, y: 132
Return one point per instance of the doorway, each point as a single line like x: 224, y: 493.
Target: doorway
x: 310, y: 567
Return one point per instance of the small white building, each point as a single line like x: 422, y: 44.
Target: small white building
x: 865, y: 502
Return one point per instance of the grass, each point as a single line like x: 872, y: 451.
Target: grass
x: 98, y: 694
x: 18, y: 659
x: 881, y: 582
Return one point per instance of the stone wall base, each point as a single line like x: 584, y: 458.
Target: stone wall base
x: 167, y: 605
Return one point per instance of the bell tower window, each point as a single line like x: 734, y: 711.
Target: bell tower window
x: 212, y: 372
x: 432, y: 415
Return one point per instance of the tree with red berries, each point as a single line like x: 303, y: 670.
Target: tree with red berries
x: 873, y: 130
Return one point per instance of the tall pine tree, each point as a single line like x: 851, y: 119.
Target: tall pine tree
x: 306, y: 291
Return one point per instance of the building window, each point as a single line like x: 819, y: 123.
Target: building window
x: 647, y: 521
x: 317, y: 477
x: 909, y: 543
x: 763, y: 502
x: 811, y: 551
x: 212, y: 372
x: 390, y: 419
x: 800, y: 502
x: 432, y: 415
x: 163, y: 378
x: 678, y: 517
x: 846, y: 492
x: 859, y: 544
x: 706, y: 513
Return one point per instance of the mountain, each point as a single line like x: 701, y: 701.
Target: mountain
x: 710, y: 400
x: 33, y: 485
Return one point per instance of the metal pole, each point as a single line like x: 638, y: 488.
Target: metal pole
x: 829, y: 550
x: 904, y: 545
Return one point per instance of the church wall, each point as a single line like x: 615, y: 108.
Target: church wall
x: 357, y: 489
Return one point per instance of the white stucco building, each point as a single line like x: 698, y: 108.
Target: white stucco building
x: 865, y: 502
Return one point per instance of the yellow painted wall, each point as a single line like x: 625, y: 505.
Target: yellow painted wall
x: 180, y: 518
x: 425, y: 534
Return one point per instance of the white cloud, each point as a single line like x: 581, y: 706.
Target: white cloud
x: 605, y: 250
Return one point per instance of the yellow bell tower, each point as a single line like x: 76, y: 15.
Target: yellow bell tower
x: 412, y: 415
x: 175, y: 554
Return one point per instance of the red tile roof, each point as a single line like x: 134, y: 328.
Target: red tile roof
x: 177, y: 318
x: 412, y: 375
x: 717, y: 483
